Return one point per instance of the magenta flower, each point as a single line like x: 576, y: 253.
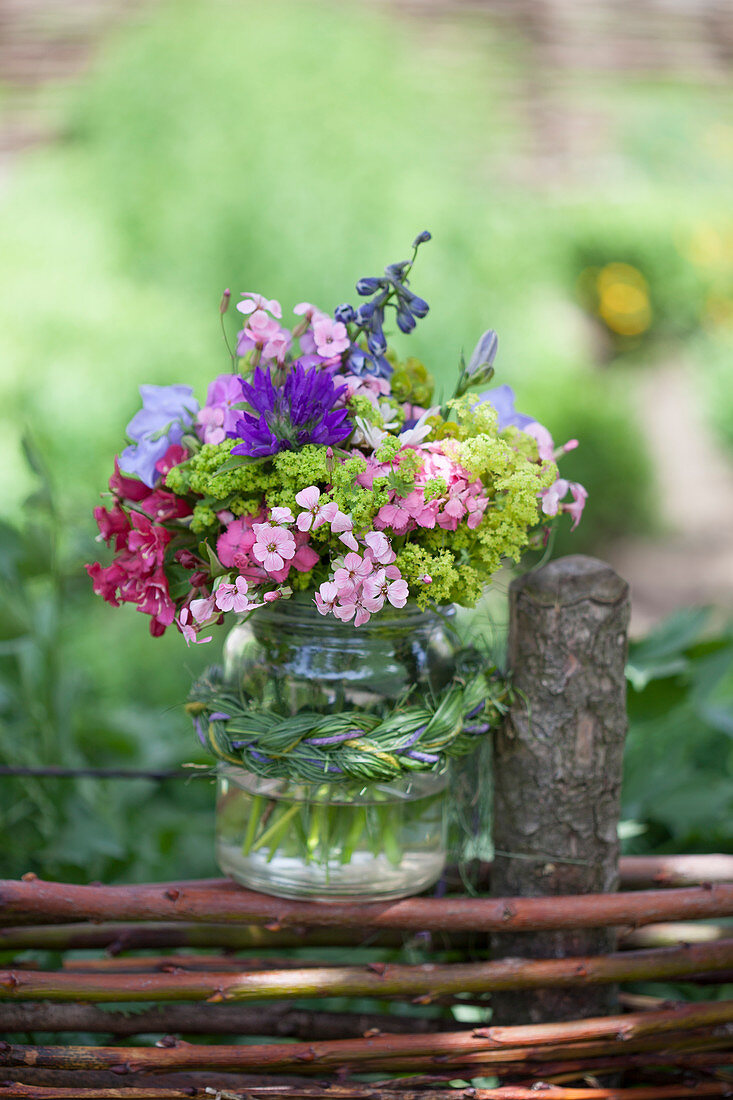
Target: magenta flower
x: 273, y: 546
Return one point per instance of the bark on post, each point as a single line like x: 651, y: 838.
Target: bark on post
x: 558, y: 765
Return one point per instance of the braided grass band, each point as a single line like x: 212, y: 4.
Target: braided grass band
x: 351, y: 745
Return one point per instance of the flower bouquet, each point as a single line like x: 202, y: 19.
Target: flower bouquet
x: 326, y: 497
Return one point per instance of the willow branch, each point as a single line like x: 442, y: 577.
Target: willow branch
x: 355, y: 1092
x: 217, y: 1019
x: 374, y: 1050
x: 117, y: 937
x: 36, y: 901
x: 374, y: 979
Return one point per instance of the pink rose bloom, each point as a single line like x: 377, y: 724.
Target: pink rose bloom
x: 273, y: 546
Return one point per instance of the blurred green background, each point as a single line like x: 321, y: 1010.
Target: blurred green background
x: 578, y: 192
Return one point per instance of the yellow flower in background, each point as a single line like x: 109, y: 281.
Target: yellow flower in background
x: 623, y: 299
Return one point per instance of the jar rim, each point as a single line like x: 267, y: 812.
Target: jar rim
x: 301, y: 609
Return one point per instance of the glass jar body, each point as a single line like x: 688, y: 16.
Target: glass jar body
x: 332, y: 839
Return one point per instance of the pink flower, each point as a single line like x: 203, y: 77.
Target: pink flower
x: 203, y: 609
x: 330, y: 336
x: 157, y: 603
x: 253, y: 302
x: 352, y: 573
x: 260, y: 328
x: 379, y: 548
x: 232, y: 597
x: 545, y: 445
x: 129, y: 488
x: 174, y: 456
x: 579, y: 495
x: 355, y: 610
x: 326, y: 597
x: 112, y: 525
x: 314, y: 514
x: 188, y: 630
x: 146, y: 544
x: 281, y: 516
x: 552, y: 496
x: 278, y: 346
x: 237, y: 541
x: 211, y: 419
x: 309, y: 312
x: 386, y: 584
x: 273, y: 546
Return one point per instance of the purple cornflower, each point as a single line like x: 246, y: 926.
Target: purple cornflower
x: 289, y: 416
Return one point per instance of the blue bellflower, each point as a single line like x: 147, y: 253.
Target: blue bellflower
x: 502, y: 398
x: 166, y: 413
x: 288, y: 416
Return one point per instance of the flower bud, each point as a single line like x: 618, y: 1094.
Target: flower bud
x: 421, y: 238
x: 364, y: 313
x: 405, y: 320
x: 483, y: 355
x: 368, y: 286
x: 418, y: 306
x: 396, y: 272
x: 345, y: 313
x: 224, y: 303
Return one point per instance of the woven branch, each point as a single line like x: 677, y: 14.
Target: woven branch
x: 217, y: 1019
x: 389, y: 1051
x: 364, y: 1092
x: 36, y: 902
x: 375, y: 979
x: 353, y: 745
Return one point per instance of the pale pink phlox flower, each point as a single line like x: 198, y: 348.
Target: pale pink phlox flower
x: 309, y: 311
x: 331, y: 337
x: 278, y: 346
x: 327, y: 597
x: 203, y: 609
x: 253, y: 302
x: 233, y: 597
x: 353, y: 572
x: 281, y: 516
x: 552, y: 496
x: 188, y: 630
x: 579, y: 495
x: 314, y: 515
x: 378, y: 548
x: 545, y: 445
x: 367, y: 385
x: 234, y: 545
x: 353, y: 609
x: 212, y: 422
x: 385, y: 584
x: 273, y: 546
x: 342, y: 525
x: 261, y: 328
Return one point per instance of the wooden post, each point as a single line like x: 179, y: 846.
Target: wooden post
x: 558, y: 766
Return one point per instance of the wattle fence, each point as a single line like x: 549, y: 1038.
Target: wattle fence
x: 390, y: 999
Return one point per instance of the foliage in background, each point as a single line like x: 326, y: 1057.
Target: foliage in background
x: 678, y: 782
x: 55, y: 710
